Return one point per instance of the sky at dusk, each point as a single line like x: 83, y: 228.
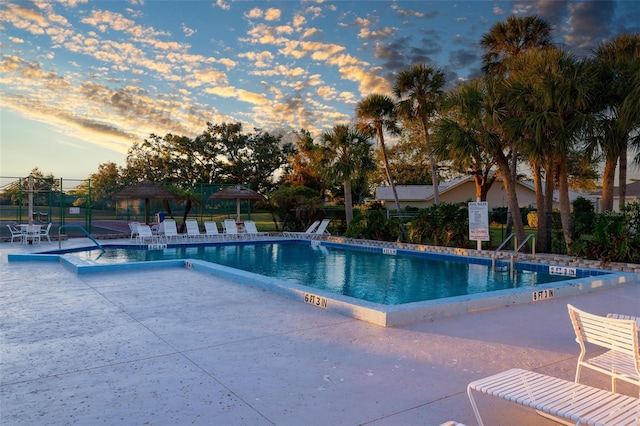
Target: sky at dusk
x: 81, y: 81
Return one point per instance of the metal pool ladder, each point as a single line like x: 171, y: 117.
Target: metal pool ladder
x: 512, y: 262
x: 83, y: 230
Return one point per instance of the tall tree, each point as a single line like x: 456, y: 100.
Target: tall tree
x: 305, y: 163
x: 619, y: 63
x: 463, y: 135
x: 349, y: 151
x: 100, y: 187
x: 376, y: 114
x: 419, y: 91
x: 506, y: 40
x: 502, y: 43
x: 551, y: 94
x: 250, y: 158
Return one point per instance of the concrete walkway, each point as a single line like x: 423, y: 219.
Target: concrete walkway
x: 177, y: 347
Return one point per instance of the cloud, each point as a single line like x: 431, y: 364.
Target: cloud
x: 223, y: 5
x: 239, y: 94
x: 188, y: 32
x: 590, y: 23
x: 272, y: 14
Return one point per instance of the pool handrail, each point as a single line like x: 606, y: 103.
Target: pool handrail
x: 83, y: 230
x: 516, y: 250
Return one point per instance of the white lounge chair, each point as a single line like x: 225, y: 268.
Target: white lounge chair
x: 619, y: 337
x: 169, y: 230
x: 230, y: 229
x: 211, y: 230
x: 252, y: 230
x: 322, y: 230
x: 307, y: 233
x: 563, y: 401
x: 625, y: 317
x: 45, y: 232
x: 133, y: 226
x: 16, y: 233
x: 193, y: 230
x: 145, y: 235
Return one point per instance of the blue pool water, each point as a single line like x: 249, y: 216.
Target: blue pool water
x: 371, y: 276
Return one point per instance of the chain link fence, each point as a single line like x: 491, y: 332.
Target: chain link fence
x: 91, y: 204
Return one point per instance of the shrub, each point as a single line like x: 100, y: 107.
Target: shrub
x: 442, y: 224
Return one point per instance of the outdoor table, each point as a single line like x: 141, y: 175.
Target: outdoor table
x: 30, y: 233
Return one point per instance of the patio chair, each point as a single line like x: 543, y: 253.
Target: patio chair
x: 16, y: 233
x: 145, y: 234
x: 321, y: 231
x: 625, y: 317
x: 32, y: 233
x: 306, y: 233
x: 45, y: 232
x: 193, y: 230
x: 211, y: 230
x: 619, y: 337
x: 169, y: 230
x: 230, y: 229
x: 133, y: 226
x: 252, y: 231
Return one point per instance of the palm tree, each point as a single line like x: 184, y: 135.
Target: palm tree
x: 375, y: 114
x: 506, y: 40
x: 619, y: 62
x: 551, y: 95
x: 419, y: 90
x: 463, y: 135
x: 350, y: 154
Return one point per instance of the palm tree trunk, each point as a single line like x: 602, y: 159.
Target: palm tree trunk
x: 622, y: 178
x: 542, y: 241
x: 388, y: 169
x: 608, y: 181
x: 432, y: 162
x: 348, y: 201
x: 565, y: 203
x: 512, y: 197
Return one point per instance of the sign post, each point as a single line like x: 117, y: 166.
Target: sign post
x: 479, y: 222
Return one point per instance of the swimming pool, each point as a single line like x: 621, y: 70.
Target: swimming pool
x: 389, y: 279
x: 476, y: 270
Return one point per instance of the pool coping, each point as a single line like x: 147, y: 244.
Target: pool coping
x: 383, y: 315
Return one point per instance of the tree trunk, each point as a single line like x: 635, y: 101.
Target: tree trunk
x: 432, y: 161
x: 512, y: 197
x: 348, y: 201
x: 622, y: 178
x: 565, y: 203
x: 388, y: 169
x: 608, y: 181
x: 542, y: 242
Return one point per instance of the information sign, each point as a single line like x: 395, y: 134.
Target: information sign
x: 479, y: 221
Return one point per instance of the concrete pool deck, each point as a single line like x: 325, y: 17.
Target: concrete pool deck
x: 173, y: 346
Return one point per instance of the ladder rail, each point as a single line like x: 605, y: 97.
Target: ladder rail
x: 83, y: 230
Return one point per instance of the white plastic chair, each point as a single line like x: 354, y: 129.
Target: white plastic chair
x: 33, y: 233
x: 619, y: 337
x: 322, y: 230
x: 169, y: 230
x: 211, y: 230
x: 45, y: 232
x: 306, y: 233
x: 193, y: 230
x: 145, y: 234
x: 133, y: 226
x: 16, y: 233
x: 252, y: 230
x: 230, y: 229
